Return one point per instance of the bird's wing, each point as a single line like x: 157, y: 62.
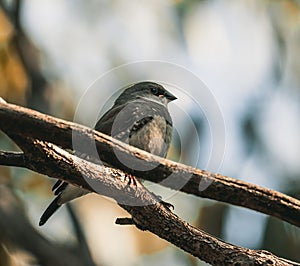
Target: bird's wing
x: 121, y: 120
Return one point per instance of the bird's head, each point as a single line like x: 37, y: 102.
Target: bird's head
x: 148, y: 91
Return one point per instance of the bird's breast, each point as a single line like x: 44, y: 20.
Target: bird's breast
x: 151, y: 137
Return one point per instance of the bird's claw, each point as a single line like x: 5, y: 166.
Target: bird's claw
x: 131, y: 180
x: 167, y: 205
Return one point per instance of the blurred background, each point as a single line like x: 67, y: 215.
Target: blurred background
x: 246, y: 52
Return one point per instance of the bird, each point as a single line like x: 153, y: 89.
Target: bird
x: 138, y: 117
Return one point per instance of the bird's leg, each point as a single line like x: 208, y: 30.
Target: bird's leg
x: 131, y: 180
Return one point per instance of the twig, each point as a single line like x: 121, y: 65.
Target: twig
x: 124, y: 221
x: 12, y: 159
x: 82, y: 244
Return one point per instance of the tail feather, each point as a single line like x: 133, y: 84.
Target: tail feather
x: 60, y: 189
x: 57, y: 184
x: 52, y: 208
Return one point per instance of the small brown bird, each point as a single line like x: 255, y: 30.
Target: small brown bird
x: 138, y: 117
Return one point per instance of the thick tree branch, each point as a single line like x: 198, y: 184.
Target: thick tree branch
x: 19, y: 120
x: 141, y: 204
x: 49, y: 159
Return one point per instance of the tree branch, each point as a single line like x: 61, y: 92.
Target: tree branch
x: 83, y: 248
x: 19, y: 120
x: 12, y: 159
x: 142, y: 205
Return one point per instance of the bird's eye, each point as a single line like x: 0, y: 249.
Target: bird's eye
x: 155, y: 91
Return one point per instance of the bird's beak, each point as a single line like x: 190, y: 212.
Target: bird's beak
x: 170, y: 96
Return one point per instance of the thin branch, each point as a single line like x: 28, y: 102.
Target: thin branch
x: 16, y: 14
x: 83, y: 248
x: 19, y: 120
x: 12, y: 159
x: 124, y: 221
x: 142, y: 205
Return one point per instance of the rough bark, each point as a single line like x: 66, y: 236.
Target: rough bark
x: 146, y: 211
x: 19, y: 120
x: 32, y: 131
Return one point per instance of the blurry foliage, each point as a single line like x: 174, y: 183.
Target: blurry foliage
x: 13, y: 79
x: 14, y: 257
x: 5, y: 175
x: 33, y: 183
x: 18, y: 69
x: 282, y: 239
x: 21, y: 82
x: 211, y: 219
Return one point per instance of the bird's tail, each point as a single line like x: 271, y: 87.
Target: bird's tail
x: 52, y: 208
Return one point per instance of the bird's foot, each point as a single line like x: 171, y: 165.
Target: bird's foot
x: 167, y: 205
x: 131, y: 180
